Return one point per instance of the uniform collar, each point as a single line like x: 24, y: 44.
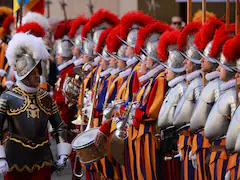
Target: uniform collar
x: 79, y: 62
x: 228, y: 85
x: 106, y: 72
x: 212, y: 75
x: 125, y: 73
x: 151, y: 73
x: 115, y: 71
x: 193, y: 75
x: 26, y: 88
x: 66, y: 64
x: 176, y: 80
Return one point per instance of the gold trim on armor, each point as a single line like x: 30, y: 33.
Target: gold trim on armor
x: 25, y: 167
x: 41, y: 106
x: 26, y: 145
x: 23, y: 108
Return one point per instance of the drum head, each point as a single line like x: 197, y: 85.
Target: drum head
x: 85, y: 138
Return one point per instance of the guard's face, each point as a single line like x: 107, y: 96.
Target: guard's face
x: 188, y: 65
x: 169, y: 74
x: 149, y: 63
x: 112, y: 62
x: 33, y: 79
x: 103, y: 64
x: 206, y: 66
x: 223, y: 73
x: 75, y: 51
x: 121, y: 64
x: 59, y: 59
x: 143, y: 68
x: 129, y: 51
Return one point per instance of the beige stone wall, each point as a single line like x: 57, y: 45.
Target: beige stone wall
x: 75, y: 7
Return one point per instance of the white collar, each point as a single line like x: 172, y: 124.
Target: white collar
x: 115, y: 71
x: 176, y: 80
x: 97, y: 59
x: 151, y: 73
x: 131, y: 61
x: 94, y: 63
x: 66, y: 64
x: 227, y: 85
x: 212, y: 75
x: 26, y: 88
x: 125, y: 73
x: 106, y: 72
x: 193, y: 75
x: 78, y: 62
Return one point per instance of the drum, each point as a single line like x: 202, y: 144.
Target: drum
x: 85, y: 148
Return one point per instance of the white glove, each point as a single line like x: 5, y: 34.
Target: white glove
x: 180, y: 155
x: 62, y: 160
x: 227, y: 175
x: 3, y: 167
x: 193, y: 158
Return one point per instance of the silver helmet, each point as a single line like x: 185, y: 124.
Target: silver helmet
x: 132, y: 36
x: 191, y: 53
x: 78, y: 41
x: 229, y: 66
x: 25, y: 52
x: 104, y: 54
x: 206, y: 53
x: 120, y: 54
x: 151, y: 47
x: 175, y: 60
x: 64, y: 47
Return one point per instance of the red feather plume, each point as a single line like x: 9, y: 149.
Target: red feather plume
x: 6, y: 23
x: 112, y: 41
x: 220, y: 37
x: 168, y: 38
x: 80, y: 20
x: 144, y: 32
x: 231, y: 49
x: 62, y: 28
x: 33, y: 28
x: 102, y: 40
x: 131, y: 18
x: 207, y: 32
x: 99, y: 17
x: 190, y: 29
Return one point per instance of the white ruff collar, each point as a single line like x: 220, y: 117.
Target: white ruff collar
x: 151, y: 73
x: 26, y: 88
x: 227, y: 85
x: 78, y: 62
x: 115, y: 71
x: 66, y: 64
x: 193, y: 75
x: 97, y: 59
x: 106, y: 72
x: 94, y: 64
x: 125, y: 73
x: 131, y: 61
x: 9, y: 84
x: 212, y: 75
x: 176, y: 80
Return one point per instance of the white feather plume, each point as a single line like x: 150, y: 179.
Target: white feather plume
x: 26, y: 43
x: 36, y: 17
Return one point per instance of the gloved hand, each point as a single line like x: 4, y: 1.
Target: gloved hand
x: 3, y: 167
x: 2, y: 72
x: 193, y: 158
x: 227, y: 175
x: 61, y: 162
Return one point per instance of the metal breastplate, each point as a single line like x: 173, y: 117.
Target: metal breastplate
x: 218, y: 119
x: 28, y: 113
x: 209, y: 95
x: 186, y: 104
x: 166, y: 114
x: 233, y: 130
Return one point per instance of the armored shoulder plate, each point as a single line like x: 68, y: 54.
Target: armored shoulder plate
x: 186, y: 104
x: 233, y: 130
x: 219, y: 117
x: 165, y: 117
x: 208, y: 97
x: 194, y: 89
